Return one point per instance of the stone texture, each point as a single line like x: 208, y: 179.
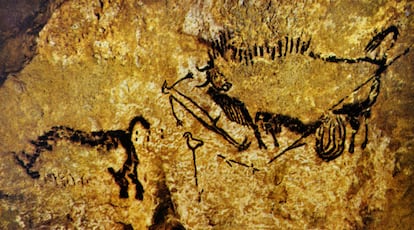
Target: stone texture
x: 101, y: 63
x: 20, y: 24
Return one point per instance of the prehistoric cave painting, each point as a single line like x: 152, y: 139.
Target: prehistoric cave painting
x: 233, y: 108
x: 109, y: 140
x: 329, y: 128
x: 193, y: 144
x: 223, y: 47
x: 10, y: 197
x: 64, y: 180
x: 198, y: 112
x: 230, y: 161
x: 272, y: 124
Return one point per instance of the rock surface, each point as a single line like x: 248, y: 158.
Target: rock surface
x: 68, y: 146
x: 20, y: 24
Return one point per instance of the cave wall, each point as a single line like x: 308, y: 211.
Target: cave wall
x: 20, y: 24
x: 101, y: 97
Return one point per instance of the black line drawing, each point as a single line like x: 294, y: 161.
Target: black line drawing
x: 233, y: 108
x: 111, y: 139
x: 199, y: 113
x: 329, y: 129
x: 65, y: 179
x: 229, y: 161
x: 193, y: 144
x: 247, y: 55
x: 272, y: 124
x: 10, y: 196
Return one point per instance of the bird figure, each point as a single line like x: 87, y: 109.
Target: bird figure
x: 193, y: 144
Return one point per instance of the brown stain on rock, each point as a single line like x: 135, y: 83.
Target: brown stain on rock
x: 21, y: 22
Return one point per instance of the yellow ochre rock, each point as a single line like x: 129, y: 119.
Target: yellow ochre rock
x: 123, y: 114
